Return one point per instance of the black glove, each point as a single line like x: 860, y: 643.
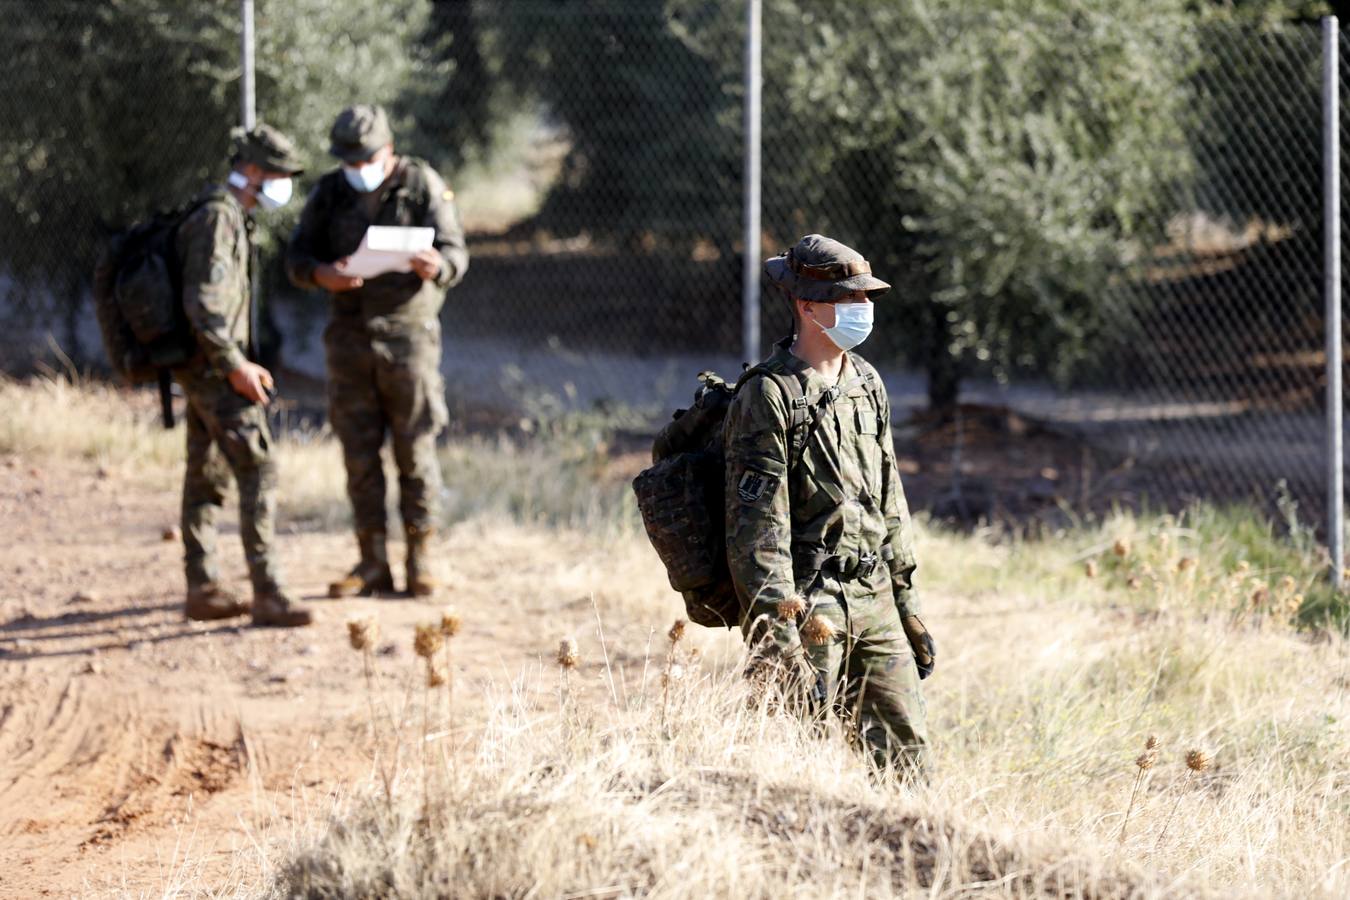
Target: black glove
x: 925, y: 654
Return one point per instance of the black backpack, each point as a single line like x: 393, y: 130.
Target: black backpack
x: 138, y: 299
x: 681, y: 496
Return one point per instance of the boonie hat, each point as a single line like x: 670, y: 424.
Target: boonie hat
x: 358, y: 132
x: 822, y: 269
x: 267, y: 147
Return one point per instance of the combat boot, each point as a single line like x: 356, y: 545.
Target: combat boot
x: 372, y: 574
x: 274, y: 609
x: 421, y: 582
x: 209, y: 601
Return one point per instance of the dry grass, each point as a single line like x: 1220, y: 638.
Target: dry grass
x: 1058, y: 658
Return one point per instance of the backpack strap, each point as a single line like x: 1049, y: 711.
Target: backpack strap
x: 414, y: 177
x: 801, y: 409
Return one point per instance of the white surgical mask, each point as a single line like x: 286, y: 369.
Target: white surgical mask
x: 852, y: 324
x: 274, y: 193
x: 365, y: 178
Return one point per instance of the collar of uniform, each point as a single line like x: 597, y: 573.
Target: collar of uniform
x: 230, y: 200
x: 815, y: 382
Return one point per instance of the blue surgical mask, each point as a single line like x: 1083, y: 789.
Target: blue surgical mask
x: 852, y: 324
x: 365, y: 178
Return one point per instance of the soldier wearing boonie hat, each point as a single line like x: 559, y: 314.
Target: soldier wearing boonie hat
x: 383, y: 341
x: 226, y: 390
x: 819, y: 540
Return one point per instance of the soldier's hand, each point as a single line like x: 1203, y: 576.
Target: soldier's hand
x: 427, y: 263
x: 252, y: 382
x: 925, y: 653
x: 332, y: 279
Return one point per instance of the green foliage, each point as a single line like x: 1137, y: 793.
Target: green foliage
x: 113, y: 108
x: 654, y: 150
x: 999, y: 164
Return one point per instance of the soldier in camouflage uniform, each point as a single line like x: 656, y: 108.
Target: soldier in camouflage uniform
x: 384, y: 339
x: 819, y: 542
x: 227, y: 393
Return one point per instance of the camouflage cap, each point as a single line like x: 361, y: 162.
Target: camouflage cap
x: 268, y: 148
x: 822, y: 269
x: 358, y: 132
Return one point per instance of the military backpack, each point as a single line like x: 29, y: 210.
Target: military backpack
x: 681, y: 496
x: 138, y: 296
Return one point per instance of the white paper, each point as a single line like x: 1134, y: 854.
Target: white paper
x: 388, y: 248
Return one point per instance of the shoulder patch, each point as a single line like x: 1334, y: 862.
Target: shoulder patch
x: 447, y: 194
x: 218, y: 272
x: 752, y: 485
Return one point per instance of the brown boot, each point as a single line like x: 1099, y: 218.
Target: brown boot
x: 275, y: 609
x: 371, y: 575
x: 421, y: 583
x: 209, y: 602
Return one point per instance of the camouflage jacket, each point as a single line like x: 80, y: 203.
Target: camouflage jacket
x: 214, y: 244
x: 838, y: 506
x: 335, y: 220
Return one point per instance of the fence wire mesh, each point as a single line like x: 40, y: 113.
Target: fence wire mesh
x: 1104, y: 230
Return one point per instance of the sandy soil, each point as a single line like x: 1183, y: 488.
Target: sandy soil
x: 139, y: 751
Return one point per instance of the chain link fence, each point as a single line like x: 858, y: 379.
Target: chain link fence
x: 1104, y: 230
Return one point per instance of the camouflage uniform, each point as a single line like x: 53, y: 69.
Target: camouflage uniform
x: 383, y: 342
x: 226, y: 433
x: 833, y: 528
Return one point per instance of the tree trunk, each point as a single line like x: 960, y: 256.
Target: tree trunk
x: 944, y: 369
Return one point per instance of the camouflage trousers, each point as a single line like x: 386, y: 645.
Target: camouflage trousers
x: 387, y: 382
x: 867, y: 676
x: 227, y: 435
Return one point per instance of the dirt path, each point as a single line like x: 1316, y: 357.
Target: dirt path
x: 138, y: 750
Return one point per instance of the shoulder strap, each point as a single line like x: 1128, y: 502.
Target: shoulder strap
x: 801, y: 417
x: 183, y: 213
x: 415, y: 179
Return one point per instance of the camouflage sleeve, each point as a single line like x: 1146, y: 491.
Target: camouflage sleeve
x: 443, y: 215
x: 302, y: 249
x: 206, y: 247
x: 899, y: 528
x: 758, y: 524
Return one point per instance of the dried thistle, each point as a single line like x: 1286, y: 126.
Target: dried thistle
x: 676, y: 633
x: 1287, y: 584
x: 363, y: 632
x: 1198, y: 760
x: 428, y: 640
x: 568, y: 657
x: 435, y: 675
x: 1242, y: 567
x: 1186, y: 563
x: 1090, y: 570
x: 1121, y: 548
x: 817, y: 631
x: 450, y: 622
x: 1143, y: 762
x: 675, y: 673
x: 791, y: 608
x: 1134, y: 583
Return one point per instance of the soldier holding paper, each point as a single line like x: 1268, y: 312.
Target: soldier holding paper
x: 383, y: 342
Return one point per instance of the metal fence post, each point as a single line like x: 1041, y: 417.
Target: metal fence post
x: 1331, y: 212
x: 750, y: 262
x: 247, y: 104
